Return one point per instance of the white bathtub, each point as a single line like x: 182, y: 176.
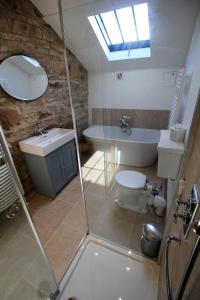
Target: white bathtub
x: 136, y: 148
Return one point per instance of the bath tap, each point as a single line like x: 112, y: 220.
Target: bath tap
x: 124, y: 123
x: 40, y: 129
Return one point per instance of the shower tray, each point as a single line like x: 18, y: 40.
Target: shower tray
x: 102, y: 270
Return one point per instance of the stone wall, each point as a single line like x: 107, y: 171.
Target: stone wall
x: 79, y: 90
x: 23, y: 31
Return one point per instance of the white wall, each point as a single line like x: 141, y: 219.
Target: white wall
x: 192, y: 71
x: 139, y: 89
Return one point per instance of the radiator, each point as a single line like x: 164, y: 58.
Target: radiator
x: 8, y: 193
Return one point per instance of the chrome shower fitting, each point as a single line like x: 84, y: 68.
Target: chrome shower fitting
x: 191, y: 204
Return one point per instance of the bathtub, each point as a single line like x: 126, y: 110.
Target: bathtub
x: 137, y: 147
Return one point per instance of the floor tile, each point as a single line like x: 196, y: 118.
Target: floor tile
x: 24, y: 291
x: 61, y: 224
x: 48, y: 218
x: 62, y: 246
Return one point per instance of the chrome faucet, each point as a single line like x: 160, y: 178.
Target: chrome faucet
x: 40, y: 129
x: 124, y: 123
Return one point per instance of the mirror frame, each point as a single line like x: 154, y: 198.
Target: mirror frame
x: 20, y: 99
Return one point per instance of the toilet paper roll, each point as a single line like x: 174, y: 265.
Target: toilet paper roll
x: 177, y: 133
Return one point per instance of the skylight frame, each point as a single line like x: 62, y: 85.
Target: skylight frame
x: 134, y: 44
x: 126, y: 50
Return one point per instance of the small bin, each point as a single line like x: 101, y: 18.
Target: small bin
x: 151, y: 239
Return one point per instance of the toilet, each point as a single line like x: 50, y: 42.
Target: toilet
x: 131, y: 193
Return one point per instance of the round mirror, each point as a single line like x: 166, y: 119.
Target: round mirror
x: 23, y: 78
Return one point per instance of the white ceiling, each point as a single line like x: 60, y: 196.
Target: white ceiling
x: 171, y: 27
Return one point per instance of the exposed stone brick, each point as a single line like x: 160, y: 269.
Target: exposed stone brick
x: 21, y: 28
x: 9, y: 117
x: 15, y: 47
x: 28, y: 48
x: 4, y: 46
x: 41, y: 51
x: 48, y: 34
x: 54, y: 52
x: 36, y: 32
x: 4, y: 26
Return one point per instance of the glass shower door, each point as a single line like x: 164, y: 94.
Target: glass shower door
x: 98, y: 163
x: 25, y: 271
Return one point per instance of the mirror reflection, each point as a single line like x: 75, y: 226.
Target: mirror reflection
x: 23, y: 78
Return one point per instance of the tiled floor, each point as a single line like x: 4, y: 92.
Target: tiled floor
x: 106, y: 218
x: 24, y: 272
x: 61, y: 224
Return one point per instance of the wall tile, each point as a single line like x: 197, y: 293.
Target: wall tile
x: 154, y: 119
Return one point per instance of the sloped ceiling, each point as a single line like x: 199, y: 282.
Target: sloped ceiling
x: 171, y: 26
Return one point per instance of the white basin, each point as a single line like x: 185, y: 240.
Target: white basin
x: 44, y: 144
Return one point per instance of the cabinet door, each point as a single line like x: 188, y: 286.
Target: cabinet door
x: 56, y: 169
x: 70, y: 160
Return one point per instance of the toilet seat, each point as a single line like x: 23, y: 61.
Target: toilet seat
x: 130, y: 180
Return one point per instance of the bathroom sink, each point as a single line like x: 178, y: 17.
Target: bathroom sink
x: 46, y: 143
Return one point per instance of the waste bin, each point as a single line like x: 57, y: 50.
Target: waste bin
x: 151, y: 239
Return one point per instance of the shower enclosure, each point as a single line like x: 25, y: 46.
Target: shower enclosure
x: 25, y: 271
x: 101, y: 161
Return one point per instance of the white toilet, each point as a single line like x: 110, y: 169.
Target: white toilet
x: 131, y: 191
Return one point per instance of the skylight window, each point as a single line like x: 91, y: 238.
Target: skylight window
x: 123, y: 30
x: 142, y: 21
x: 110, y: 22
x: 127, y: 24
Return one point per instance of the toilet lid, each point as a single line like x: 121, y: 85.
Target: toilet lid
x: 131, y: 179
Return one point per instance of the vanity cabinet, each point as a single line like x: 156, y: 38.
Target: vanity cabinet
x: 52, y: 172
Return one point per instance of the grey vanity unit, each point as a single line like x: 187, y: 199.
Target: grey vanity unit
x: 52, y: 163
x: 52, y: 172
